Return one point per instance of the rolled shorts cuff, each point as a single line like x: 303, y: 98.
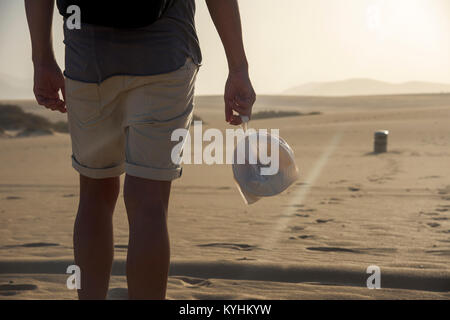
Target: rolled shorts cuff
x: 153, y: 173
x: 96, y: 173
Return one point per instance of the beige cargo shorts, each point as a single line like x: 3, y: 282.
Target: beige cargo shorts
x: 125, y: 123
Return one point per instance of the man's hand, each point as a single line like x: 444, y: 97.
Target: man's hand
x: 239, y: 97
x: 48, y: 80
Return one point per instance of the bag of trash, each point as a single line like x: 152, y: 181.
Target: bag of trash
x: 256, y: 178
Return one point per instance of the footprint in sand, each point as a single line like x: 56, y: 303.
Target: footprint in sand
x: 430, y: 177
x: 445, y: 190
x: 302, y: 237
x: 40, y: 244
x: 324, y: 220
x: 297, y: 206
x: 301, y: 215
x: 14, y: 289
x: 433, y: 224
x: 378, y: 251
x: 379, y: 179
x: 305, y: 236
x: 13, y: 198
x: 245, y: 259
x: 190, y: 282
x: 439, y: 252
x: 357, y: 195
x: 429, y: 213
x: 234, y: 246
x: 331, y: 201
x: 31, y: 245
x: 391, y: 170
x: 440, y: 219
x: 338, y: 182
x: 296, y: 228
x: 354, y: 189
x: 71, y: 195
x: 306, y: 210
x: 332, y: 249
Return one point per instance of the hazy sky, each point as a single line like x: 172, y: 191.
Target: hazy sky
x: 290, y: 42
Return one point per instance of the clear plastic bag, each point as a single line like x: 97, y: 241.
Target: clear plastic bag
x: 253, y: 185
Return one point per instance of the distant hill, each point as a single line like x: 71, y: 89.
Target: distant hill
x: 364, y: 87
x: 289, y: 102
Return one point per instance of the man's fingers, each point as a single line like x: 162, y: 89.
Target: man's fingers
x: 50, y: 103
x: 235, y: 120
x: 243, y: 106
x: 43, y: 101
x: 58, y: 106
x: 228, y: 109
x: 39, y: 100
x: 239, y: 98
x: 62, y: 107
x: 242, y: 110
x: 51, y: 98
x: 48, y: 81
x: 62, y: 110
x: 245, y: 102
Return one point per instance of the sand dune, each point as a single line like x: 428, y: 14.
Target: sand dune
x: 349, y: 210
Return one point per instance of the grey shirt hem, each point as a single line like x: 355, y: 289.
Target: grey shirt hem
x: 128, y: 74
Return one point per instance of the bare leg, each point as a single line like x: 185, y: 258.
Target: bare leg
x: 93, y: 235
x: 148, y: 248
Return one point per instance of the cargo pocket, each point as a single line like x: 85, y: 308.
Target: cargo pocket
x: 185, y: 74
x: 190, y: 69
x: 83, y: 101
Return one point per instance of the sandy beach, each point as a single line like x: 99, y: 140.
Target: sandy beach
x: 350, y: 209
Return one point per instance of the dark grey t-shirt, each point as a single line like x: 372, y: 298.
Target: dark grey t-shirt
x: 95, y: 53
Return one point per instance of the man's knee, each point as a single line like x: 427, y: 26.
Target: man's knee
x: 105, y: 191
x: 144, y: 195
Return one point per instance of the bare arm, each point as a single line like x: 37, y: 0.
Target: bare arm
x: 239, y: 93
x: 39, y: 16
x: 48, y: 78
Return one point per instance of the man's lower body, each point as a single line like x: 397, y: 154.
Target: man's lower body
x: 123, y: 125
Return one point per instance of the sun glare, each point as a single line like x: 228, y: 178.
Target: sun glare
x: 417, y: 20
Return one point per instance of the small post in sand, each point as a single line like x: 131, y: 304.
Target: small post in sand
x: 381, y: 137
